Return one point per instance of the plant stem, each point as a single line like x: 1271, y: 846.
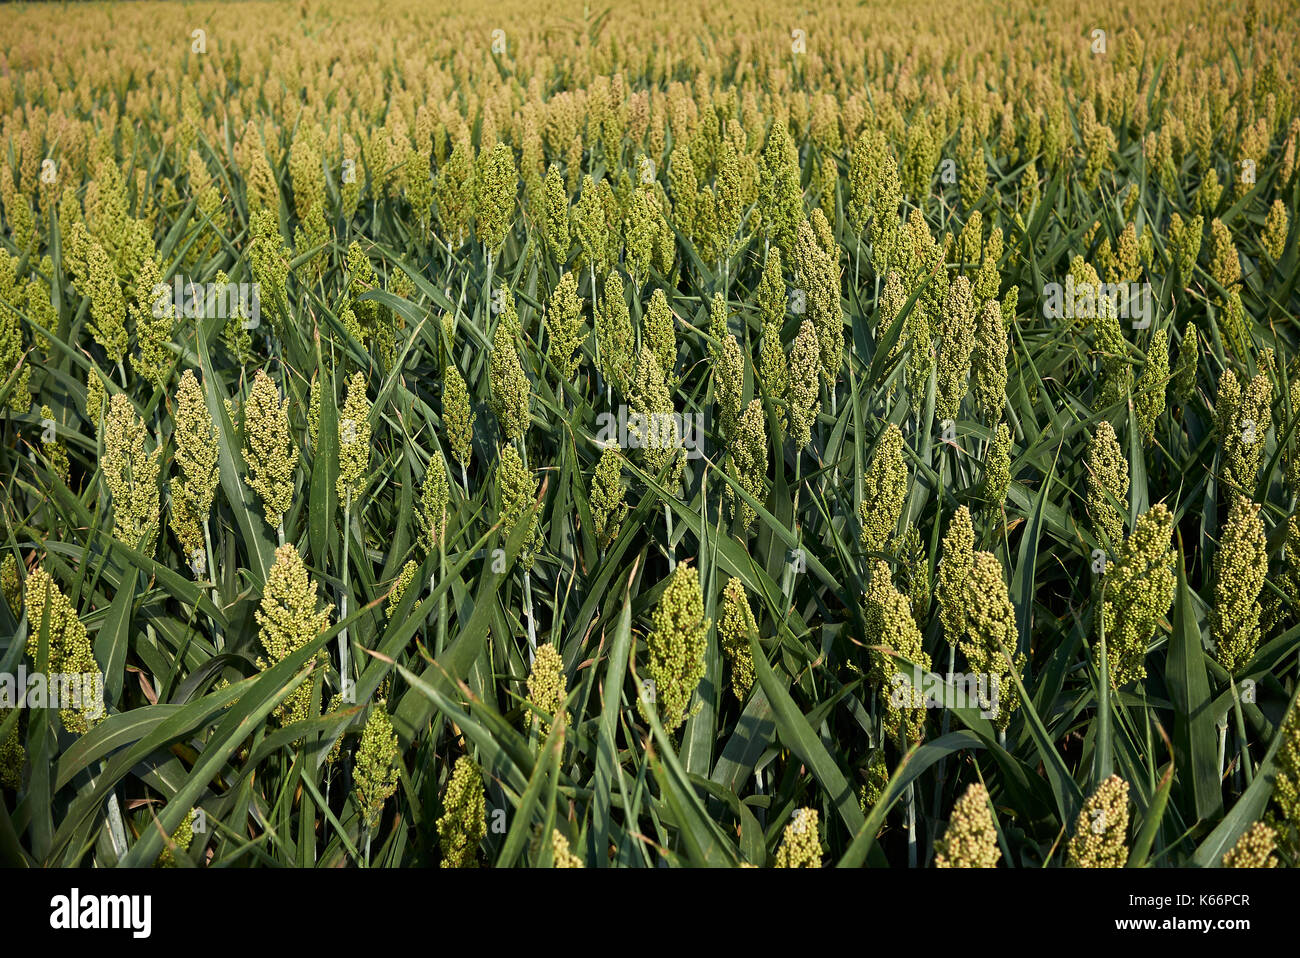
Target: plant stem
x: 343, y: 597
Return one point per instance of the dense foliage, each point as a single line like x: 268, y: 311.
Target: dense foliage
x: 705, y: 435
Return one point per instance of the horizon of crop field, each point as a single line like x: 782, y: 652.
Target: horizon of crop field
x: 653, y: 434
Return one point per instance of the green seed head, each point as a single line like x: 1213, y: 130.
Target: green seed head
x: 1149, y: 399
x: 1189, y: 359
x: 661, y: 337
x: 181, y: 839
x: 990, y: 361
x: 555, y: 215
x: 614, y: 337
x: 11, y: 583
x: 464, y: 820
x: 747, y: 461
x: 496, y: 181
x: 652, y: 401
x: 991, y: 635
x: 1241, y: 423
x: 997, y: 467
x: 153, y: 334
x: 1285, y: 817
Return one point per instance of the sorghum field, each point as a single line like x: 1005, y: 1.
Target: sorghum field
x: 650, y: 435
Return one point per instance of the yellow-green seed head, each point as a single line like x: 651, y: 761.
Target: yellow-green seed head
x: 659, y: 334
x: 990, y: 361
x: 354, y: 442
x: 518, y: 489
x: 1225, y: 264
x: 496, y: 181
x: 989, y: 644
x: 1107, y: 485
x: 676, y: 646
x: 196, y: 460
x: 400, y: 585
x: 510, y: 388
x: 608, y: 505
x: 805, y: 398
x: 561, y: 856
x: 997, y: 467
x: 1139, y: 590
x: 1276, y: 225
x: 547, y: 688
x: 11, y: 583
x: 269, y: 450
x: 747, y: 461
x: 1100, y: 834
x: 563, y: 320
x: 457, y: 416
x: 375, y: 775
x: 1149, y: 399
x: 131, y: 475
x: 956, y: 331
x: 179, y: 840
x: 954, y: 568
x: 1254, y: 849
x: 287, y: 619
x: 614, y: 337
x: 890, y: 626
x: 800, y: 843
x: 884, y: 487
x: 435, y: 496
x: 734, y: 627
x: 971, y: 838
x: 1239, y: 570
x: 69, y: 646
